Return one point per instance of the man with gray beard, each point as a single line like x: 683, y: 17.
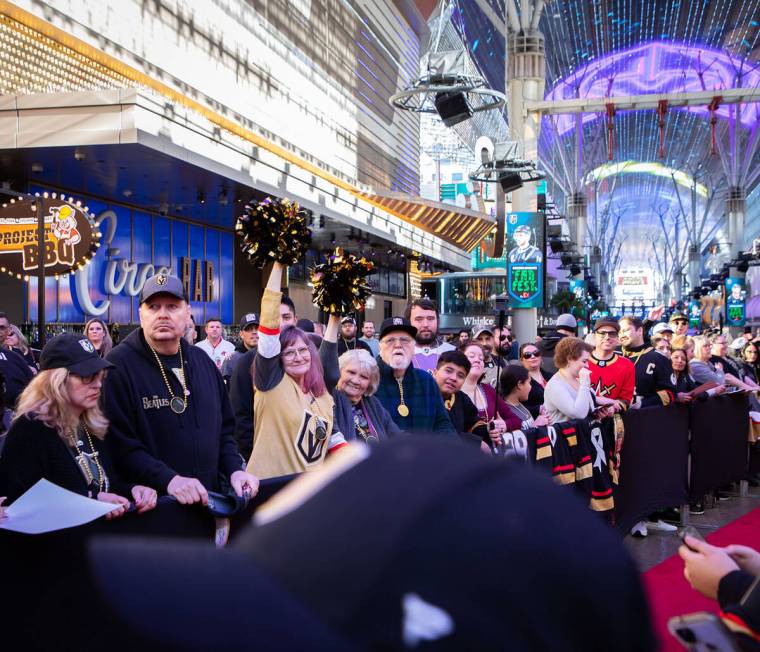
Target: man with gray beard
x: 410, y: 395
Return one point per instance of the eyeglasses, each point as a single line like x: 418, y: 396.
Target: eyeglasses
x: 89, y: 380
x: 531, y: 354
x: 604, y: 334
x: 4, y: 328
x: 680, y: 322
x: 392, y: 341
x: 292, y: 353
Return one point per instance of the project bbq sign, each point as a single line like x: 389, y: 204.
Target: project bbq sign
x: 71, y: 236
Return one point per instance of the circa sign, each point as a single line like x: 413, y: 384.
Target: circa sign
x: 71, y: 237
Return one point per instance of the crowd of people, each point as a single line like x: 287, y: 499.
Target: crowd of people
x: 161, y: 415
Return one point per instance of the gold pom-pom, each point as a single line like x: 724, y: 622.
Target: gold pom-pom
x: 340, y: 284
x: 273, y: 230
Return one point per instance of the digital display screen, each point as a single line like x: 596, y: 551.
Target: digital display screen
x: 735, y: 302
x: 526, y: 248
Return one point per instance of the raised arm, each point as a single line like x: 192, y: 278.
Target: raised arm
x: 328, y: 353
x: 267, y: 368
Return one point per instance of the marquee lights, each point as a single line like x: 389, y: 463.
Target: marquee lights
x: 635, y: 167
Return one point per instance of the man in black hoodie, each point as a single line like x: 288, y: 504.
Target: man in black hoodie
x: 567, y: 326
x: 171, y: 425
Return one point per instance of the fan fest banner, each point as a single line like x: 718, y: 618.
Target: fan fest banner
x: 735, y: 304
x: 525, y: 245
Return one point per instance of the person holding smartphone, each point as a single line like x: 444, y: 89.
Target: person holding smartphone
x: 730, y: 575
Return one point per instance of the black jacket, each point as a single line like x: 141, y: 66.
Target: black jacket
x: 654, y: 383
x: 546, y: 346
x: 149, y: 443
x: 34, y: 451
x: 241, y: 398
x: 17, y: 375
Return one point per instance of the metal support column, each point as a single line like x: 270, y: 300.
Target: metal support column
x: 525, y: 72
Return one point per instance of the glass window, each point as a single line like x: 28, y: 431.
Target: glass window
x: 471, y: 295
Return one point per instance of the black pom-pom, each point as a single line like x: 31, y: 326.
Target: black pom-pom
x: 340, y: 284
x: 273, y: 230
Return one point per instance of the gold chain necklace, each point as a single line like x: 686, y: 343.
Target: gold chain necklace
x: 81, y: 460
x: 178, y: 404
x: 402, y: 409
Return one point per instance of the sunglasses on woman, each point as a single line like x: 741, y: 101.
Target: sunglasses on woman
x: 531, y: 354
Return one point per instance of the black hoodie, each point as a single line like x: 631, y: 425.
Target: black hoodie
x: 149, y: 443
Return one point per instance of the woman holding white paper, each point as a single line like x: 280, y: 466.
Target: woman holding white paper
x: 58, y: 429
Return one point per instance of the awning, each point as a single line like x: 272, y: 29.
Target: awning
x: 100, y: 76
x: 462, y: 227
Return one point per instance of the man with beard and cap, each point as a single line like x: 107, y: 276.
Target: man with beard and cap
x: 347, y: 341
x: 410, y: 395
x: 171, y: 425
x: 423, y: 315
x: 491, y: 364
x: 399, y: 571
x: 566, y: 326
x: 249, y: 339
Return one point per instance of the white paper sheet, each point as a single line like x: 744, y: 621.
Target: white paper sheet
x: 46, y: 507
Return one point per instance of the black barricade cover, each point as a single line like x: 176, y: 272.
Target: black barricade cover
x: 576, y: 453
x: 654, y: 462
x: 719, y: 429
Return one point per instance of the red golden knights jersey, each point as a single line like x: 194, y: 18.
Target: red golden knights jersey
x: 614, y: 378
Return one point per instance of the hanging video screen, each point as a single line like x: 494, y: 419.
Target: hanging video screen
x: 735, y: 303
x: 525, y: 259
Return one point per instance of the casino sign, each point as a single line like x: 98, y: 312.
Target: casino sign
x: 71, y: 236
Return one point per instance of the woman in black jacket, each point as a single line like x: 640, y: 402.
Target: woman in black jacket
x: 58, y: 429
x: 530, y: 357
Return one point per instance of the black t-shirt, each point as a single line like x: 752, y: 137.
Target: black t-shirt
x: 464, y: 415
x: 349, y: 345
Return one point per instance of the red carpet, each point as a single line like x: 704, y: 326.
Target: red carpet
x: 670, y: 594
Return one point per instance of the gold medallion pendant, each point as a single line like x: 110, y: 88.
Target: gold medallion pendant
x: 178, y: 405
x: 403, y: 410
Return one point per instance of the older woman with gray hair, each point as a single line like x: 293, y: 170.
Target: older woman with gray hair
x: 358, y: 414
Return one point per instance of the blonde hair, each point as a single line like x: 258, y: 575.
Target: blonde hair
x: 107, y: 343
x: 46, y: 399
x: 23, y: 343
x: 700, y: 342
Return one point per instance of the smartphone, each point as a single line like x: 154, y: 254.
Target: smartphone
x: 701, y: 632
x: 693, y: 532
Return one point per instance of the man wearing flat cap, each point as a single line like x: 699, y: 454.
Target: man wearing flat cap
x: 348, y: 340
x: 171, y: 421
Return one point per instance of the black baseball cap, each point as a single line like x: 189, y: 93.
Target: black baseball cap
x: 409, y: 569
x: 249, y: 319
x: 348, y: 320
x: 162, y: 284
x: 397, y: 324
x: 74, y: 353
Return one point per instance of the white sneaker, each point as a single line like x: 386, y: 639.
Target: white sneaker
x: 639, y: 530
x: 661, y: 526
